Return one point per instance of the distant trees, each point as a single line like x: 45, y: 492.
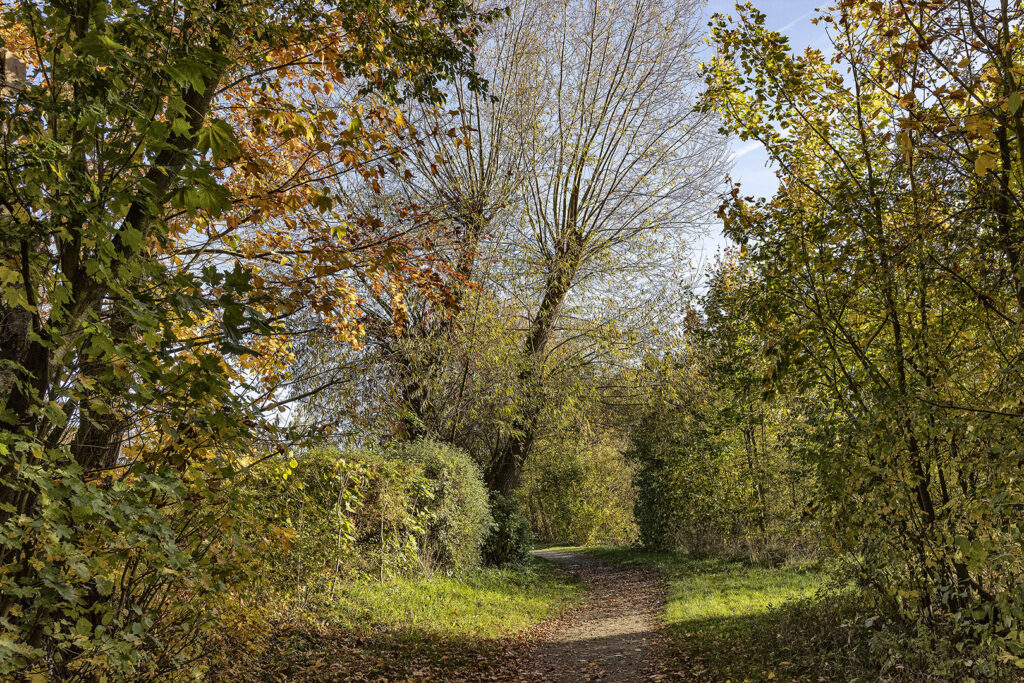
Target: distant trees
x: 719, y: 464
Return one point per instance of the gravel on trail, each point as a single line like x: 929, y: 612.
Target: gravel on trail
x: 612, y: 635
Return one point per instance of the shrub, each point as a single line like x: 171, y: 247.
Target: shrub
x: 137, y: 562
x: 341, y: 513
x: 509, y: 541
x: 455, y: 516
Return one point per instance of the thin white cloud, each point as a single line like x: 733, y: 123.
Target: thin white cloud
x: 796, y: 21
x: 744, y: 150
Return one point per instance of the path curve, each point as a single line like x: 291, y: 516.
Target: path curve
x: 611, y: 635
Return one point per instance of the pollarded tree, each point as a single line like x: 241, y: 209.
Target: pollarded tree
x: 464, y: 179
x: 619, y: 166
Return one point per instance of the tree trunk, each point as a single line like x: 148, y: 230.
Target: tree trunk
x: 505, y: 471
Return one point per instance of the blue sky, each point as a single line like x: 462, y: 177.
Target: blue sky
x: 750, y: 163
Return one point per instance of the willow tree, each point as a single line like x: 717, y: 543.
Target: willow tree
x: 468, y: 180
x: 568, y: 194
x: 618, y: 164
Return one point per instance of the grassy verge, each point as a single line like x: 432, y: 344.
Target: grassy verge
x: 729, y: 620
x: 486, y: 603
x: 440, y: 627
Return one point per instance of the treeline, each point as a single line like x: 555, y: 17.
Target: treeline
x: 236, y: 234
x: 854, y: 374
x: 720, y: 463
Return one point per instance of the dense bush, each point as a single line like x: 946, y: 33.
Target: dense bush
x: 455, y: 515
x: 579, y: 491
x: 344, y: 512
x: 509, y: 541
x: 679, y: 503
x: 338, y: 513
x: 142, y: 535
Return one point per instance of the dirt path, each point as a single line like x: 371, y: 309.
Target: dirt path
x: 611, y: 635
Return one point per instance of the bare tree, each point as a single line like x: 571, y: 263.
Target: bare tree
x: 570, y: 191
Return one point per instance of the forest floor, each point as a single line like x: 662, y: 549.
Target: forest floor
x: 727, y: 619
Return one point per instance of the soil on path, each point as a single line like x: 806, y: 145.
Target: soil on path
x: 611, y: 635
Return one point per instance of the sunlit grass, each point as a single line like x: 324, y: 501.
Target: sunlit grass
x: 435, y: 627
x: 726, y: 619
x: 484, y: 603
x: 700, y: 589
x: 705, y: 587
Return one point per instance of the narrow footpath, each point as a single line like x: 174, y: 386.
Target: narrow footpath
x: 611, y: 635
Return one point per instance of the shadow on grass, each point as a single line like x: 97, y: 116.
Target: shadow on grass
x: 407, y: 654
x: 419, y: 655
x: 462, y: 627
x: 727, y: 619
x: 804, y: 640
x: 793, y: 643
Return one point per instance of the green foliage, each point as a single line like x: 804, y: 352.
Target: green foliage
x: 509, y: 542
x: 128, y: 393
x: 344, y: 514
x: 679, y: 500
x: 886, y: 289
x: 717, y: 468
x: 101, y: 540
x: 337, y: 513
x: 457, y: 517
x: 579, y: 491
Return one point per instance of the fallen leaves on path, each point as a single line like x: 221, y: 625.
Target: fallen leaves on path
x: 610, y: 636
x: 613, y: 635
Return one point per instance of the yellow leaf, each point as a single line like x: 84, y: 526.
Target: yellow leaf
x: 984, y: 163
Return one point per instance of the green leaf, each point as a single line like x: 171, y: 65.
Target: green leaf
x: 180, y: 126
x: 219, y: 138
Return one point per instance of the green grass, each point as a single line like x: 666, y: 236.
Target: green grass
x: 437, y: 627
x: 730, y: 620
x: 485, y: 603
x: 714, y: 587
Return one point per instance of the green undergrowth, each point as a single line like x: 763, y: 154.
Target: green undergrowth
x: 726, y: 619
x: 438, y: 626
